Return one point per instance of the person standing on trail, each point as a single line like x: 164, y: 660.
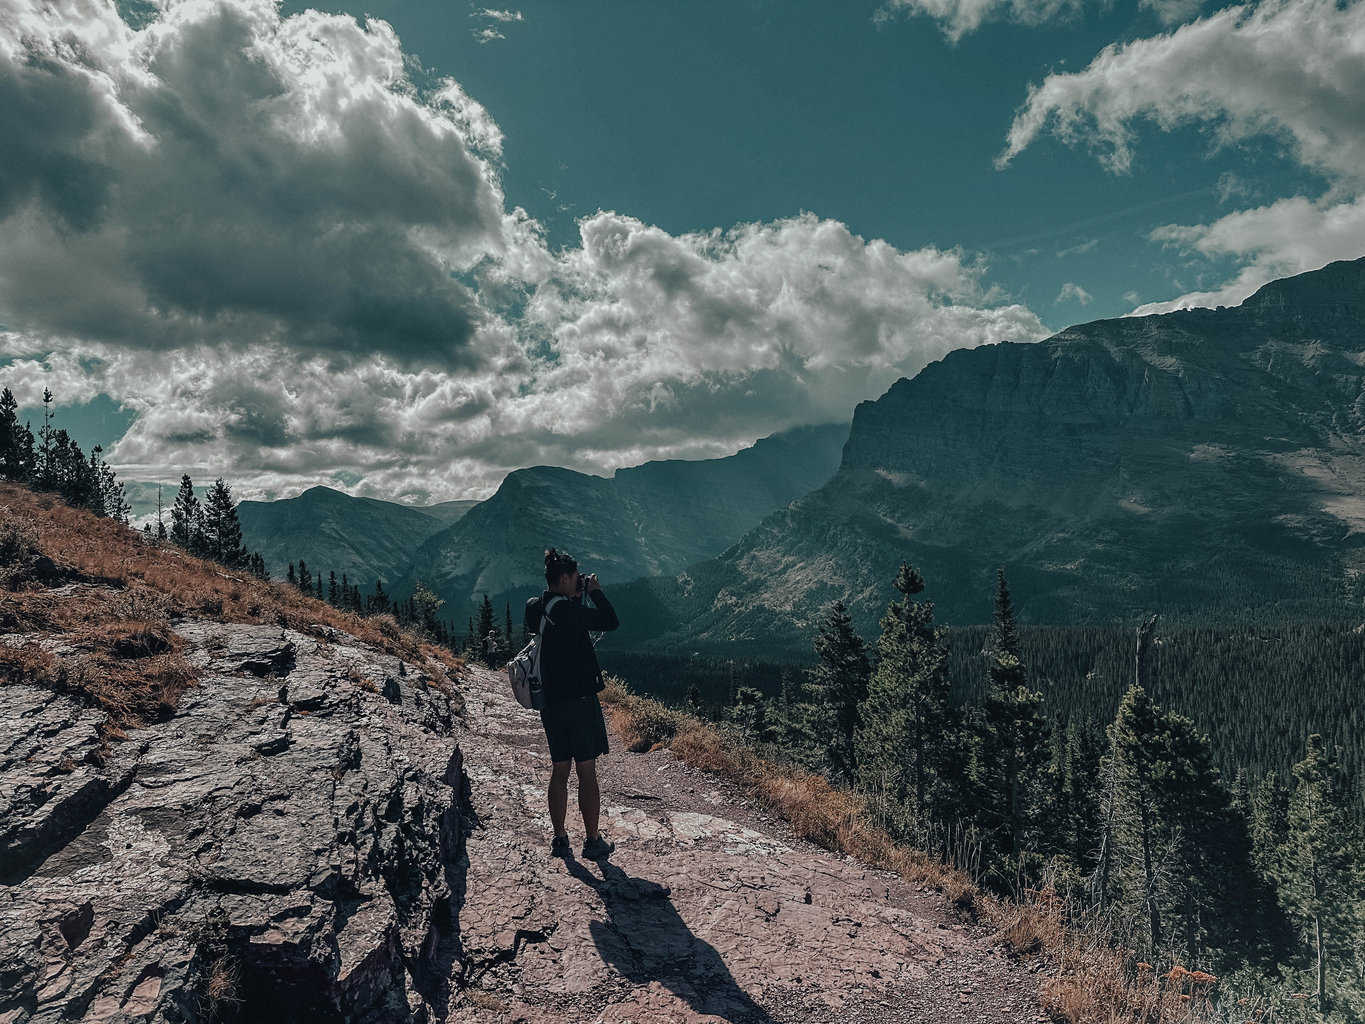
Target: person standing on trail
x: 571, y: 605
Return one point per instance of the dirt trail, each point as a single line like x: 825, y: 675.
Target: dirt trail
x: 708, y: 910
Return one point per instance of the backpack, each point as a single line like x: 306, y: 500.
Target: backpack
x: 524, y: 669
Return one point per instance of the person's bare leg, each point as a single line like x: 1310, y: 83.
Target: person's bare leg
x: 589, y: 796
x: 559, y: 795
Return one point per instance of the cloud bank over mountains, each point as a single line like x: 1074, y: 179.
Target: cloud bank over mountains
x: 1291, y: 71
x: 294, y: 259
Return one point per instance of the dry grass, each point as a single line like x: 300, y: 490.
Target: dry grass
x: 109, y: 597
x: 1085, y: 979
x: 827, y: 816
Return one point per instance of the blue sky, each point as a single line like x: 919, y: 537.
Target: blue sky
x: 706, y: 114
x: 407, y: 247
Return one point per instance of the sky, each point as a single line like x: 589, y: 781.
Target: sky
x: 405, y: 247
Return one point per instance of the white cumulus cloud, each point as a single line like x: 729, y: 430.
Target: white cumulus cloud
x: 297, y: 266
x: 1287, y: 70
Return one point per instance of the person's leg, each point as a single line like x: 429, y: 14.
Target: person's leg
x: 559, y: 795
x: 589, y: 796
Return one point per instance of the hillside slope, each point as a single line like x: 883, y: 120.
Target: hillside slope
x: 209, y: 819
x: 1203, y: 461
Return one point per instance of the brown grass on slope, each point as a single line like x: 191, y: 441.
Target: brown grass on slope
x: 1084, y: 979
x: 105, y: 599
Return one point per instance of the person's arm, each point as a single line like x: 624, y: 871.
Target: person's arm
x: 599, y: 616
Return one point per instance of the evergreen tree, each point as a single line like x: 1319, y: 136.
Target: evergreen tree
x: 305, y: 580
x: 378, y: 602
x: 292, y: 577
x: 750, y: 713
x: 46, y: 475
x: 508, y: 633
x: 906, y: 744
x: 485, y: 619
x: 317, y: 581
x: 1269, y: 820
x: 1182, y: 856
x: 1013, y: 735
x: 11, y: 446
x: 426, y: 609
x: 332, y: 587
x: 222, y: 531
x: 186, y: 517
x: 1318, y: 866
x: 840, y: 682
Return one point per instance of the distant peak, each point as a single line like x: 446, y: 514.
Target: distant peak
x: 1341, y: 283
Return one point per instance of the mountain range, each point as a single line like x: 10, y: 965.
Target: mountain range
x: 647, y: 520
x: 365, y: 538
x: 1201, y: 462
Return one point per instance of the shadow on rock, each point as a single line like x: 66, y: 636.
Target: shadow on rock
x: 646, y: 939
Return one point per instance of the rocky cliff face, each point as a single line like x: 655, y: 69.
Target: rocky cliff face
x: 650, y: 519
x: 1206, y: 460
x: 280, y: 847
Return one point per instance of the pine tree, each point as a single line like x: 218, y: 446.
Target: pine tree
x: 1013, y: 734
x: 1318, y: 866
x: 508, y: 634
x: 1182, y: 856
x: 305, y: 577
x: 11, y: 458
x: 317, y: 580
x: 46, y: 475
x: 332, y: 587
x: 485, y: 619
x: 907, y: 743
x: 378, y: 602
x: 292, y: 577
x: 222, y: 531
x: 186, y: 517
x: 840, y: 681
x: 426, y: 609
x: 750, y: 713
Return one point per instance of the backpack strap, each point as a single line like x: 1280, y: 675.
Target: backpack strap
x: 545, y: 614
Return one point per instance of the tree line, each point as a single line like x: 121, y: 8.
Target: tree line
x: 484, y: 640
x: 1134, y: 824
x: 51, y: 460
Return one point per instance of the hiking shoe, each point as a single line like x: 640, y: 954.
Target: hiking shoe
x: 597, y: 848
x: 560, y: 847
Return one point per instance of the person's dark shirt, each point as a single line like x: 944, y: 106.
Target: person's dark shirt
x: 568, y: 662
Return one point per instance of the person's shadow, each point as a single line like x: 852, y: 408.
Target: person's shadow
x: 646, y: 940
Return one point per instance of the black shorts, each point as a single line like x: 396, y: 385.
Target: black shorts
x: 575, y: 729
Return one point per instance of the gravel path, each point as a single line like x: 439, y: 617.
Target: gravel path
x: 709, y: 910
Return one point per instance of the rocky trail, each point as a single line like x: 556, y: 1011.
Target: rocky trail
x: 317, y: 833
x: 708, y: 910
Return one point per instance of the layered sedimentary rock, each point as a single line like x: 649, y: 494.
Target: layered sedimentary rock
x: 282, y: 846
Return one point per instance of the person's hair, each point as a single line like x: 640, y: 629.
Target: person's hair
x: 557, y: 563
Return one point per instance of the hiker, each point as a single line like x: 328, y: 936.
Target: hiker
x: 572, y: 716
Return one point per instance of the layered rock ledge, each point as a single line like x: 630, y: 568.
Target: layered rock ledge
x: 281, y: 847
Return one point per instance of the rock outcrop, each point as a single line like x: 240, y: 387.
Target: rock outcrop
x: 283, y: 846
